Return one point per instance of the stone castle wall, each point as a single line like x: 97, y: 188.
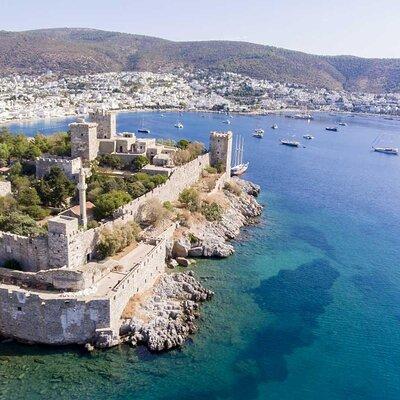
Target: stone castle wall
x: 34, y: 318
x: 74, y: 318
x: 70, y: 166
x: 75, y: 247
x: 31, y: 253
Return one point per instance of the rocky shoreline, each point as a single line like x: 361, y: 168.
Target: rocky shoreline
x: 164, y: 318
x: 211, y: 239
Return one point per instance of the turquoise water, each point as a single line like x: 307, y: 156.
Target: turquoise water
x: 308, y: 307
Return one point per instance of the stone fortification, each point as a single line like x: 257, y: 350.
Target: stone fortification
x: 68, y: 246
x: 70, y: 166
x: 31, y: 253
x: 78, y: 317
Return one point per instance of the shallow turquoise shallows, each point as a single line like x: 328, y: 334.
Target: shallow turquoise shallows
x: 309, y: 306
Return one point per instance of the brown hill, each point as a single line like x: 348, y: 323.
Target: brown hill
x: 80, y: 51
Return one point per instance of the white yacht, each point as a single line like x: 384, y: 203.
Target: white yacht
x: 387, y: 150
x: 385, y: 147
x: 239, y: 167
x: 290, y: 143
x: 259, y: 133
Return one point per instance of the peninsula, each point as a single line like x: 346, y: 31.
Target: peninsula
x: 88, y: 230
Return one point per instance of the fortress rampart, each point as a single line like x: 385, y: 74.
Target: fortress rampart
x: 65, y: 318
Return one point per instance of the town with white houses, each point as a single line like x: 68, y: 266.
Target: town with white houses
x: 50, y: 95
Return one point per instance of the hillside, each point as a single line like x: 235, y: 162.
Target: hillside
x: 80, y: 51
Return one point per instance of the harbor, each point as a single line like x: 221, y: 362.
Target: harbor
x: 325, y: 209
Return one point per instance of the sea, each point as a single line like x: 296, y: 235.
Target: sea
x: 307, y: 308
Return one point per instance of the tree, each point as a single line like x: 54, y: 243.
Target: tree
x: 28, y: 196
x: 107, y: 203
x: 111, y: 161
x: 113, y: 241
x: 182, y: 144
x: 152, y: 212
x: 16, y: 169
x: 4, y: 153
x: 139, y: 162
x: 55, y: 187
x: 20, y: 224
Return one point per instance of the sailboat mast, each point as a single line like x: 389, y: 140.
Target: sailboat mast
x: 237, y: 151
x: 241, y: 151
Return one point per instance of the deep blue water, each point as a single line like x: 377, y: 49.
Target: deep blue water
x: 308, y: 307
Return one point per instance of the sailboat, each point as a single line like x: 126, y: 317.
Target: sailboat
x: 239, y: 167
x: 384, y: 149
x: 179, y: 125
x: 142, y: 129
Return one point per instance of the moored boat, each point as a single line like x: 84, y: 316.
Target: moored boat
x: 290, y: 143
x: 239, y: 166
x: 331, y: 128
x: 387, y: 150
x: 274, y: 126
x: 179, y: 125
x: 259, y: 133
x: 308, y: 137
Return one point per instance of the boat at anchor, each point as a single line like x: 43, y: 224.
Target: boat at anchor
x: 239, y: 167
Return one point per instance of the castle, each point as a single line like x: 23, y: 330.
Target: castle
x: 63, y: 294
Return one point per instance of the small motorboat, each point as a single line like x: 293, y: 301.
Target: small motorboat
x: 227, y: 122
x: 331, y: 129
x: 290, y: 143
x: 308, y: 137
x: 258, y: 133
x: 143, y: 130
x: 179, y: 125
x: 342, y: 124
x: 387, y: 150
x: 274, y: 126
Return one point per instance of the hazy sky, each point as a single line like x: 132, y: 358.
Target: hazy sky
x: 359, y: 27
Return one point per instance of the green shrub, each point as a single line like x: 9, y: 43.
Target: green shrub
x: 233, y: 187
x: 211, y: 170
x: 92, y: 224
x: 212, y: 212
x: 190, y: 198
x: 168, y: 205
x: 113, y: 241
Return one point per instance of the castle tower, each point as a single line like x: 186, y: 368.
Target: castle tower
x: 82, y: 197
x: 221, y: 150
x: 106, y: 123
x: 84, y: 141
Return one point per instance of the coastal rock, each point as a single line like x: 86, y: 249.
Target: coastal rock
x: 167, y: 316
x: 196, y: 251
x: 173, y: 263
x: 248, y: 187
x: 184, y: 262
x: 181, y: 247
x: 212, y: 237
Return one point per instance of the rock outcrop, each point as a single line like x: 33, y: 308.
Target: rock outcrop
x: 210, y: 239
x: 167, y: 317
